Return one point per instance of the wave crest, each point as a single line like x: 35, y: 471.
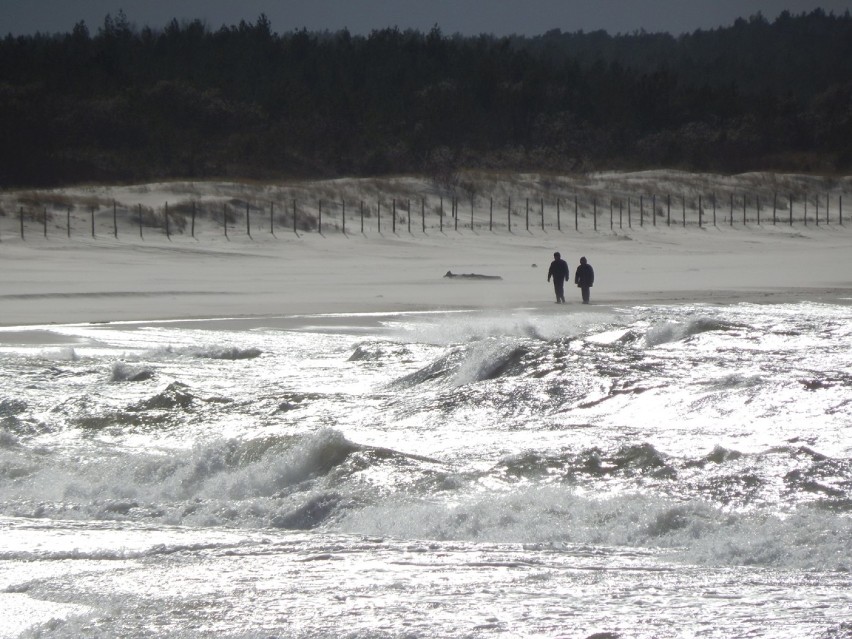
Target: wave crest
x: 675, y: 331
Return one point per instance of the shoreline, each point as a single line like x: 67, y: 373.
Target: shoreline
x: 49, y: 285
x: 358, y: 321
x: 58, y: 280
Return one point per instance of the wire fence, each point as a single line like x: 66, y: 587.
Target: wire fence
x: 427, y: 215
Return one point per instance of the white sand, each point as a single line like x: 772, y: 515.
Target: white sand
x: 61, y: 280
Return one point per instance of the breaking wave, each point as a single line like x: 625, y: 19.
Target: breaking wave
x: 693, y: 531
x: 677, y: 331
x: 123, y: 372
x: 320, y: 481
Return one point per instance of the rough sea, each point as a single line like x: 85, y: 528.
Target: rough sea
x: 658, y: 471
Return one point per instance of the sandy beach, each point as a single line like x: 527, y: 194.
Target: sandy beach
x: 105, y: 278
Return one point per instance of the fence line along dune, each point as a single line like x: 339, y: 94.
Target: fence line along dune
x: 466, y: 201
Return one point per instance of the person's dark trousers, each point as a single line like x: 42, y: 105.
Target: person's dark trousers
x: 559, y: 289
x: 585, y: 291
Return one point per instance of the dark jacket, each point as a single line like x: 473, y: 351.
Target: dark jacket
x: 558, y: 270
x: 584, y: 276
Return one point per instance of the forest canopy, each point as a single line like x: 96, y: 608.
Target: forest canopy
x: 185, y: 101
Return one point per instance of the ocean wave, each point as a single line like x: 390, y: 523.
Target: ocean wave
x: 438, y: 369
x: 113, y: 554
x: 323, y: 481
x: 373, y: 352
x: 310, y: 514
x: 734, y: 381
x: 12, y: 407
x: 123, y: 372
x: 479, y: 361
x: 119, y: 420
x: 293, y: 401
x: 490, y: 359
x: 175, y: 396
x: 694, y: 532
x: 194, y: 486
x: 7, y: 439
x: 231, y: 352
x: 64, y: 354
x: 202, y: 352
x: 678, y: 331
x: 366, y: 353
x: 629, y: 460
x: 719, y: 455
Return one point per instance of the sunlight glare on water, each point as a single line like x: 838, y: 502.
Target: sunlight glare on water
x: 642, y: 471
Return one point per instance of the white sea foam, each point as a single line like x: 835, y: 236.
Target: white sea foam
x: 545, y: 458
x: 692, y: 532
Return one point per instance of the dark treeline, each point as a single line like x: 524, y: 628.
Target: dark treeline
x: 243, y: 101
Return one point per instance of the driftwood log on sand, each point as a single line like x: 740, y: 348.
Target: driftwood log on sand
x: 471, y: 276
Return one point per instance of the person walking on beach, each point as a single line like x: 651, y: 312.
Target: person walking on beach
x: 559, y: 272
x: 584, y: 277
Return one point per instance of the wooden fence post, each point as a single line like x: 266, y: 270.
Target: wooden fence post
x: 193, y: 218
x: 114, y: 222
x: 714, y: 209
x: 654, y: 210
x: 757, y: 204
x: 455, y: 213
x: 379, y: 214
x: 343, y: 215
x: 295, y: 227
x: 423, y: 213
x: 319, y: 217
x: 805, y: 212
x: 576, y: 214
x: 774, y: 208
x: 620, y: 213
x: 744, y: 209
x: 542, y: 214
x: 641, y: 211
x: 731, y: 219
x: 816, y: 215
x: 528, y: 214
x: 471, y: 212
x: 700, y: 212
x: 408, y: 203
x: 441, y: 215
x: 393, y: 217
x: 509, y: 215
x: 93, y: 221
x: 629, y: 214
x: 491, y: 214
x: 611, y: 219
x: 68, y: 222
x: 44, y: 221
x: 166, y: 216
x: 683, y: 209
x: 669, y: 209
x: 362, y: 217
x: 595, y: 212
x: 140, y: 223
x: 21, y: 218
x: 558, y: 216
x: 791, y: 209
x: 272, y: 218
x: 225, y: 218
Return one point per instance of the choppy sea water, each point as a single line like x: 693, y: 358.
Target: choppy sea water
x: 632, y: 472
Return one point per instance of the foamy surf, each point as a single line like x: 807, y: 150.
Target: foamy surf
x: 580, y: 465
